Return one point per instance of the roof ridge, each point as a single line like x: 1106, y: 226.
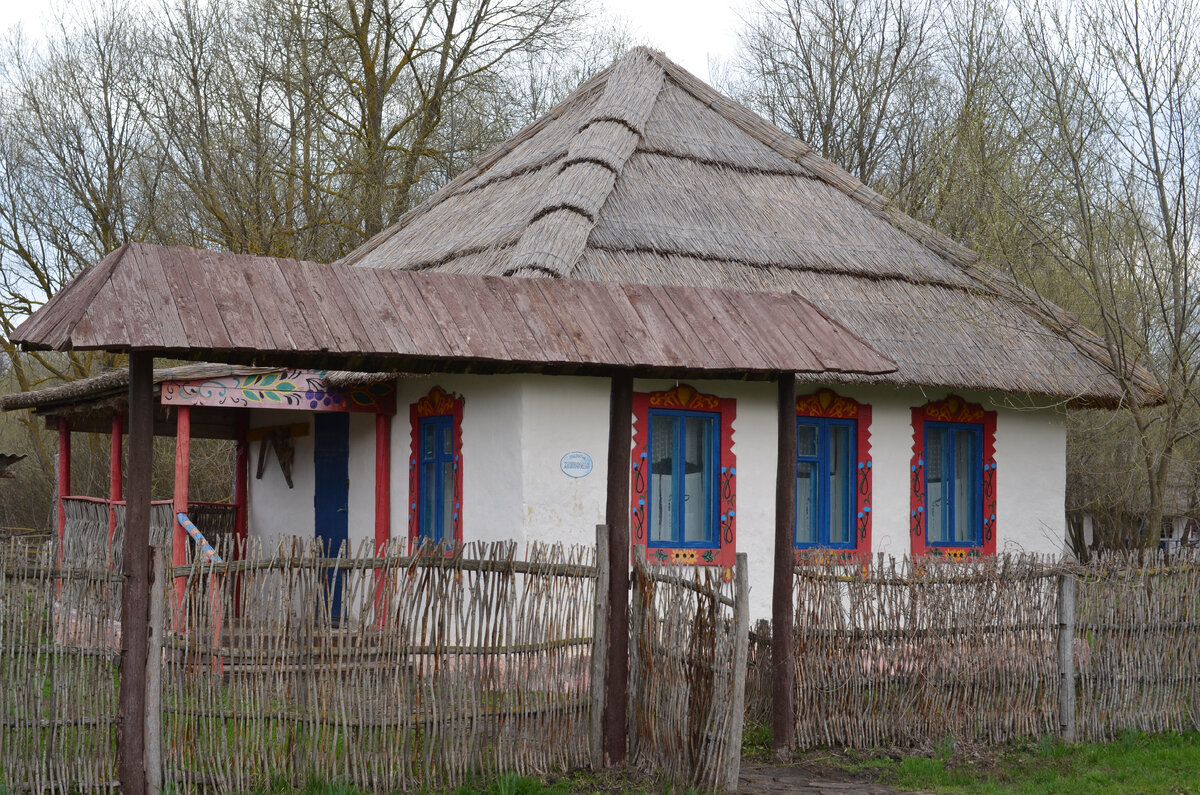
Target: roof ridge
x: 558, y: 230
x: 481, y: 165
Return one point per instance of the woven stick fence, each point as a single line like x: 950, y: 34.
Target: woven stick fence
x: 59, y: 644
x: 385, y: 673
x: 905, y: 655
x: 688, y: 645
x: 1137, y: 644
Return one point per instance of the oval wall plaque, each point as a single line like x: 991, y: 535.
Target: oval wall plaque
x: 576, y: 465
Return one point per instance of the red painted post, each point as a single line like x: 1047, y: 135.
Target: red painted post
x: 241, y: 477
x: 64, y: 477
x: 383, y: 501
x: 114, y: 474
x: 179, y: 538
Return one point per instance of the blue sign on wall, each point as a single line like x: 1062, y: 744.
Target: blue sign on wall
x: 576, y: 465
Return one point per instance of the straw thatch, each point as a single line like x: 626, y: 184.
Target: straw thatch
x: 645, y: 174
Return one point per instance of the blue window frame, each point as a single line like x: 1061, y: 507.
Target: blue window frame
x: 435, y: 509
x: 953, y: 484
x: 825, y: 496
x: 684, y: 463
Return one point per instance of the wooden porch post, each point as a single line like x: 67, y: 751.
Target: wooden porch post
x: 616, y: 510
x: 179, y: 538
x: 114, y: 474
x: 135, y: 596
x: 241, y: 476
x: 783, y: 663
x: 64, y: 477
x: 383, y: 502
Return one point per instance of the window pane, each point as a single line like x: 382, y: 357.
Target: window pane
x: 662, y: 491
x: 446, y: 535
x: 697, y: 478
x: 447, y: 434
x: 965, y: 479
x: 428, y: 496
x: 806, y: 502
x: 841, y: 488
x: 937, y: 492
x: 428, y: 440
x: 806, y: 439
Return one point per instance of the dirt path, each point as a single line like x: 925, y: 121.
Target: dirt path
x: 758, y: 778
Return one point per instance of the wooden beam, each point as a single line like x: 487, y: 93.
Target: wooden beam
x: 135, y: 596
x: 783, y: 663
x: 616, y: 665
x: 179, y: 536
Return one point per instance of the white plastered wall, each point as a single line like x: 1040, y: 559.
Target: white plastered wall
x: 275, y: 510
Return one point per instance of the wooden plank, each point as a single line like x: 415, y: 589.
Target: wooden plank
x: 688, y: 329
x: 346, y: 307
x: 616, y: 517
x: 574, y: 319
x: 315, y: 278
x: 268, y: 301
x: 427, y: 337
x: 555, y: 345
x: 55, y: 323
x: 426, y: 313
x: 245, y: 326
x: 783, y: 662
x: 766, y: 333
x: 676, y: 352
x: 271, y: 277
x: 471, y: 323
x: 441, y: 309
x: 606, y: 319
x: 720, y: 350
x: 309, y: 305
x: 137, y: 315
x: 818, y: 335
x: 740, y: 335
x: 135, y: 596
x: 201, y: 281
x: 522, y: 344
x: 482, y: 303
x: 390, y: 334
x: 175, y: 272
x: 162, y: 298
x: 641, y: 347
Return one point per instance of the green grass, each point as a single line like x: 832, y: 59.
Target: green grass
x: 1135, y: 763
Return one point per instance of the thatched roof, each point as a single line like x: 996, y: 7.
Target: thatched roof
x: 645, y: 174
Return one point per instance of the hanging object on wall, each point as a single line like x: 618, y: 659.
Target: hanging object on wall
x: 280, y: 440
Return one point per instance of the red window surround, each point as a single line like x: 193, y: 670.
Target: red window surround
x: 828, y: 404
x: 952, y: 409
x: 436, y: 404
x: 686, y: 398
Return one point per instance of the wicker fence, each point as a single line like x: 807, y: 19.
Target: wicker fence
x: 904, y: 655
x: 688, y: 642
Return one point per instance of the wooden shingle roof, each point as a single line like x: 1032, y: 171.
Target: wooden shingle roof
x: 186, y: 303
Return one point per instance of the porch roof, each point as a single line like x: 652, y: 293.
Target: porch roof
x: 192, y: 304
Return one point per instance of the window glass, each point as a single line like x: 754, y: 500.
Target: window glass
x: 662, y: 483
x: 841, y: 489
x: 437, y: 481
x: 964, y: 478
x: 806, y: 439
x: 697, y: 478
x: 936, y: 493
x: 806, y: 502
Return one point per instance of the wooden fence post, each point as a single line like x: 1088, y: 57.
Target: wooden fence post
x: 1066, y: 656
x: 154, y: 659
x: 599, y: 647
x: 741, y: 656
x: 783, y: 663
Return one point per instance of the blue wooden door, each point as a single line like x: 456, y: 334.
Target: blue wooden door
x: 331, y: 494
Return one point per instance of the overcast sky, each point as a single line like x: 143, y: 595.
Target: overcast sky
x: 688, y: 31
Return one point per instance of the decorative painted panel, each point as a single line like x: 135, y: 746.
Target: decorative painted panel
x: 437, y: 403
x: 827, y: 404
x: 952, y: 409
x: 304, y: 390
x: 685, y: 398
